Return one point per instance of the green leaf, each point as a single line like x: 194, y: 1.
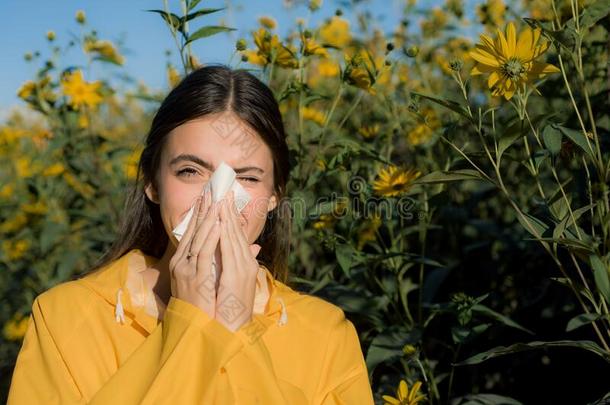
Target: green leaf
x: 582, y: 319
x: 345, y: 256
x: 169, y: 18
x: 566, y: 37
x: 450, y: 104
x: 387, y: 346
x: 506, y: 142
x: 539, y: 226
x: 444, y: 176
x: 191, y: 4
x: 482, y: 309
x: 593, y: 13
x: 600, y: 273
x: 577, y: 137
x: 207, y: 31
x: 520, y: 347
x: 551, y: 137
x: 201, y: 12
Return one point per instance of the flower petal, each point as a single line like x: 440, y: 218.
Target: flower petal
x: 403, y: 390
x: 511, y: 38
x: 484, y: 57
x: 414, y: 390
x: 390, y: 400
x: 504, y: 51
x: 493, y: 78
x: 480, y: 68
x: 525, y: 45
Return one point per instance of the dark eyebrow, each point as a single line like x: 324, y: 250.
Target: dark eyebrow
x: 208, y: 165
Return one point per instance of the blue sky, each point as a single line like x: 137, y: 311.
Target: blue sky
x: 145, y: 35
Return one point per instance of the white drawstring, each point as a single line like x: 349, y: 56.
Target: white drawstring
x: 119, y: 314
x: 284, y: 316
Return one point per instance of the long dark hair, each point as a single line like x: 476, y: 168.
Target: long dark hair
x: 208, y: 90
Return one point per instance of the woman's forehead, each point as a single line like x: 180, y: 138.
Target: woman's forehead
x: 207, y: 139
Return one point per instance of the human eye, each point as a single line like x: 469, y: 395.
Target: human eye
x: 250, y: 179
x: 186, y: 172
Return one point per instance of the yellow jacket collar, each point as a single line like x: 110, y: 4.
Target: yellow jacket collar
x: 111, y: 282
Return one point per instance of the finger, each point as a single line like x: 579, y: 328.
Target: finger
x: 199, y: 215
x: 226, y: 244
x: 255, y: 249
x: 203, y: 231
x: 206, y: 252
x: 185, y: 241
x: 236, y: 232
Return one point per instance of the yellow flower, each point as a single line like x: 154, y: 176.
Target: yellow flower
x: 7, y: 190
x: 510, y: 61
x: 404, y: 396
x: 360, y: 77
x: 270, y: 49
x: 53, y: 170
x: 492, y: 13
x: 267, y: 22
x: 15, y: 250
x: 39, y: 207
x: 41, y: 137
x: 335, y: 32
x: 130, y: 164
x: 254, y: 58
x: 314, y: 115
x: 433, y: 26
x: 79, y: 91
x: 16, y: 327
x: 424, y: 130
x: 15, y: 223
x: 173, y: 77
x: 328, y: 68
x: 25, y: 167
x: 310, y: 47
x: 325, y: 221
x: 83, y: 189
x: 369, y: 231
x: 104, y: 49
x: 369, y: 131
x: 9, y: 135
x: 394, y: 181
x: 26, y: 89
x: 361, y: 68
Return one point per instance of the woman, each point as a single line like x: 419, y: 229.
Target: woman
x: 150, y: 325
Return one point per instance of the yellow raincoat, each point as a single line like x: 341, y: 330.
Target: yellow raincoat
x: 96, y: 340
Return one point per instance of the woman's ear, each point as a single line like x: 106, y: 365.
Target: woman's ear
x: 272, y: 203
x: 151, y: 193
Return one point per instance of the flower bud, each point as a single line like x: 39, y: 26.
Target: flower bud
x: 241, y: 44
x: 80, y: 17
x: 412, y: 51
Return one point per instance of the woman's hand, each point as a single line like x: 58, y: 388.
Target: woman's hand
x: 192, y: 279
x: 235, y: 297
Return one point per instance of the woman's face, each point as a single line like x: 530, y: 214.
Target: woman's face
x: 193, y: 152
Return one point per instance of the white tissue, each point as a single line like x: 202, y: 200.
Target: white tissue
x: 221, y: 182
